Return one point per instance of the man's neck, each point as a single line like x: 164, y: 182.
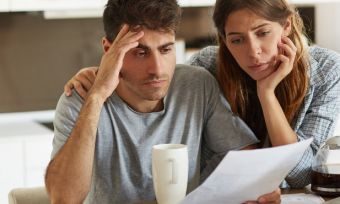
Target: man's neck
x: 140, y: 105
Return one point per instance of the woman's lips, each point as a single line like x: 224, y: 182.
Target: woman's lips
x: 259, y: 67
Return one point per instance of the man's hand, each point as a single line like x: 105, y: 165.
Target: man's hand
x: 270, y: 198
x: 112, y: 61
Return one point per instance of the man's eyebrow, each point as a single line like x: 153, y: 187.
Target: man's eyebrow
x: 145, y: 47
x: 166, y: 45
x: 142, y: 46
x: 253, y: 28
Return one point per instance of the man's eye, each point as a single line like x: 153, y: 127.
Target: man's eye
x: 141, y: 54
x: 166, y: 50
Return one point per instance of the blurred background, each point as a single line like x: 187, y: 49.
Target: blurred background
x: 45, y: 42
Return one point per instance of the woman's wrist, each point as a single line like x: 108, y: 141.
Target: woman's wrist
x: 265, y: 94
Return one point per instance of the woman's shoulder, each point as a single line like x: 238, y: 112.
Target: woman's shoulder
x: 324, y: 64
x: 206, y: 58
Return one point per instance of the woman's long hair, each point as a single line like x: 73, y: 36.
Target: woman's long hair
x: 238, y: 87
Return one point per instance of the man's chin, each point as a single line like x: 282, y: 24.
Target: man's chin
x: 155, y: 97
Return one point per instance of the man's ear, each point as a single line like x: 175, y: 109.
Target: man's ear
x: 287, y: 27
x: 106, y: 44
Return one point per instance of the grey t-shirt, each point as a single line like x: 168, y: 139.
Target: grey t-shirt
x: 193, y: 111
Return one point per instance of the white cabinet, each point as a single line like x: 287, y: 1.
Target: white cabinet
x: 192, y: 3
x: 25, y: 149
x: 4, y: 5
x: 55, y: 5
x: 60, y: 5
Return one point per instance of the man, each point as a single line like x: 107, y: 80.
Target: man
x: 102, y: 145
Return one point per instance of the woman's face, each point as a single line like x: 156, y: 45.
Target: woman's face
x: 253, y: 42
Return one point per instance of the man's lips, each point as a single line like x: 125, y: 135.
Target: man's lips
x: 155, y: 83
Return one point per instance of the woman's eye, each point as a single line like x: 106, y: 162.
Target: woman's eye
x: 264, y: 33
x: 236, y: 41
x: 166, y: 50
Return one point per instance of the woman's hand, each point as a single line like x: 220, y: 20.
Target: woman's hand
x: 285, y: 61
x: 270, y: 198
x: 81, y: 82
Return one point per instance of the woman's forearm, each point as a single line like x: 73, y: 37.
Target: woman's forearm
x: 278, y: 127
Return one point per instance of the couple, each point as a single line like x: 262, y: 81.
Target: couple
x: 139, y: 97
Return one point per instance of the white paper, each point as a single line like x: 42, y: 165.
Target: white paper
x: 301, y: 198
x: 245, y: 175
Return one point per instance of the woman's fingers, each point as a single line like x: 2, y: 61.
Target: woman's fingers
x: 288, y: 48
x: 80, y: 89
x: 68, y: 88
x: 82, y: 81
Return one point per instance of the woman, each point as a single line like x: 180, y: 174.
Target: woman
x: 283, y: 89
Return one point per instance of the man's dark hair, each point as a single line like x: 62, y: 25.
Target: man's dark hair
x: 162, y: 15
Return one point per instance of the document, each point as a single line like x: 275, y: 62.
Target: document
x: 245, y: 175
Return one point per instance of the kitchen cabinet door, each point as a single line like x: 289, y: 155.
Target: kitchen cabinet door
x: 38, y: 154
x: 4, y: 5
x: 55, y: 5
x: 11, y: 167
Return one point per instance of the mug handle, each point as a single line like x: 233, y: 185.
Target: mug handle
x: 174, y: 179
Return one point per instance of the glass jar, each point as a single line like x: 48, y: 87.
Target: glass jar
x: 326, y: 168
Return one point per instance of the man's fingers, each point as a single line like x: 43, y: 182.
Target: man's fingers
x: 122, y: 32
x: 126, y: 41
x: 130, y: 37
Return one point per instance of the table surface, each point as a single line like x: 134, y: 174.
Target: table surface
x: 306, y: 190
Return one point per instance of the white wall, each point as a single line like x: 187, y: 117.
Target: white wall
x: 327, y: 31
x: 327, y: 25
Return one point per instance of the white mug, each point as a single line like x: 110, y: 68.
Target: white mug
x: 170, y: 172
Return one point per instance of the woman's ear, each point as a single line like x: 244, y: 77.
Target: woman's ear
x: 106, y: 44
x: 287, y: 27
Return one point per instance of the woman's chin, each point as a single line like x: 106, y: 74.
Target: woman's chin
x: 263, y: 74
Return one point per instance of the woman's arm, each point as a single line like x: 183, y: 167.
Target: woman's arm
x: 278, y: 127
x: 319, y: 114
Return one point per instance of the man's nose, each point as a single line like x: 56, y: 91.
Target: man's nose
x: 155, y: 64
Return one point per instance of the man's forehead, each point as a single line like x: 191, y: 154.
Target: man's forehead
x: 153, y: 38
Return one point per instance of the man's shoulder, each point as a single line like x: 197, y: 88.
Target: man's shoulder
x: 70, y: 103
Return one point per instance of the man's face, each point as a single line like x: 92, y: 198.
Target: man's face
x: 148, y: 69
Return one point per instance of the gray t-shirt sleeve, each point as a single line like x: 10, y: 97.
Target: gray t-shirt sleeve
x: 224, y: 130
x: 205, y: 58
x: 66, y: 115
